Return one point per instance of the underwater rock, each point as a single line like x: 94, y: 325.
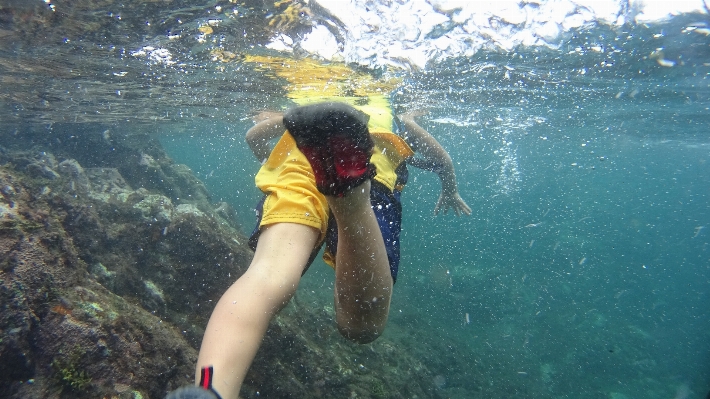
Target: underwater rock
x: 36, y: 164
x: 78, y: 181
x: 40, y: 170
x: 226, y: 212
x: 138, y: 158
x: 154, y: 299
x: 155, y: 207
x: 16, y: 321
x: 64, y: 254
x: 102, y: 275
x: 189, y: 256
x: 189, y: 209
x: 61, y: 333
x: 107, y: 182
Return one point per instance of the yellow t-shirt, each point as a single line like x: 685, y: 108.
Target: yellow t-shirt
x: 287, y: 178
x: 390, y: 150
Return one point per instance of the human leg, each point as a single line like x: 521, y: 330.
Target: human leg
x: 240, y: 319
x: 335, y: 139
x: 363, y: 283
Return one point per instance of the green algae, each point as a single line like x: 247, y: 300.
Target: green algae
x: 379, y: 390
x: 69, y: 373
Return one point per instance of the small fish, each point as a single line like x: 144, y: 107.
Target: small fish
x: 61, y: 309
x: 698, y: 230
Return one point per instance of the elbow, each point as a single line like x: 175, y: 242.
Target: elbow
x: 254, y: 138
x: 251, y: 135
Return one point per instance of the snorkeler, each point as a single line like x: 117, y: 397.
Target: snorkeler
x: 334, y: 177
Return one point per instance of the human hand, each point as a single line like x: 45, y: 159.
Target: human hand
x: 454, y: 201
x: 265, y: 115
x: 414, y: 113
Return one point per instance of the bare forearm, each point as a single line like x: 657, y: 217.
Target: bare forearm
x: 259, y: 136
x: 432, y: 151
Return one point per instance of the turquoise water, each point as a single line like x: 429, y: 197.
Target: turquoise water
x: 584, y: 270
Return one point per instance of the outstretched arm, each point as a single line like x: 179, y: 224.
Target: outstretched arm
x: 269, y: 126
x: 437, y: 160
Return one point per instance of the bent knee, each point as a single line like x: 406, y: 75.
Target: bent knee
x: 361, y: 334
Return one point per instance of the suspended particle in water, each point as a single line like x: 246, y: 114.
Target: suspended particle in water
x: 665, y: 63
